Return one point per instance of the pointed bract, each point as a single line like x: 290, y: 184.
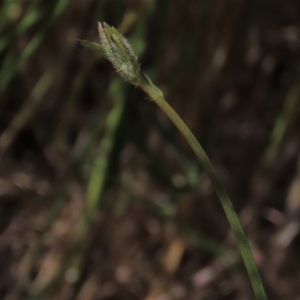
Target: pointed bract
x: 94, y: 47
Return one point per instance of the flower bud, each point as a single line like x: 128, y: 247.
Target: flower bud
x: 117, y: 50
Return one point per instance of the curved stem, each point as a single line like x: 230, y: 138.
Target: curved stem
x: 157, y: 96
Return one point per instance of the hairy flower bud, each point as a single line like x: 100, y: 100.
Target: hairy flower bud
x: 117, y: 50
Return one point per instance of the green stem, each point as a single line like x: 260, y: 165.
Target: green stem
x: 156, y: 95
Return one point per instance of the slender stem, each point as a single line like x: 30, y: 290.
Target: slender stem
x: 156, y: 95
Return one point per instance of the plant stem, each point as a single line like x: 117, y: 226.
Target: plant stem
x: 156, y: 95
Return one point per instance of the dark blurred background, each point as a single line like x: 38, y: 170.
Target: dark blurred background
x: 100, y: 197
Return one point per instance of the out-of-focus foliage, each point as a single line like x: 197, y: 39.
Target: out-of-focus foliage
x: 100, y: 198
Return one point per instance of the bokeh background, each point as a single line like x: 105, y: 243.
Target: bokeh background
x: 100, y: 197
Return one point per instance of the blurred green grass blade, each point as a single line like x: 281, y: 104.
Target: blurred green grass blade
x: 98, y: 176
x: 84, y: 154
x: 289, y: 113
x: 12, y: 64
x: 26, y: 112
x: 27, y: 21
x: 4, y: 12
